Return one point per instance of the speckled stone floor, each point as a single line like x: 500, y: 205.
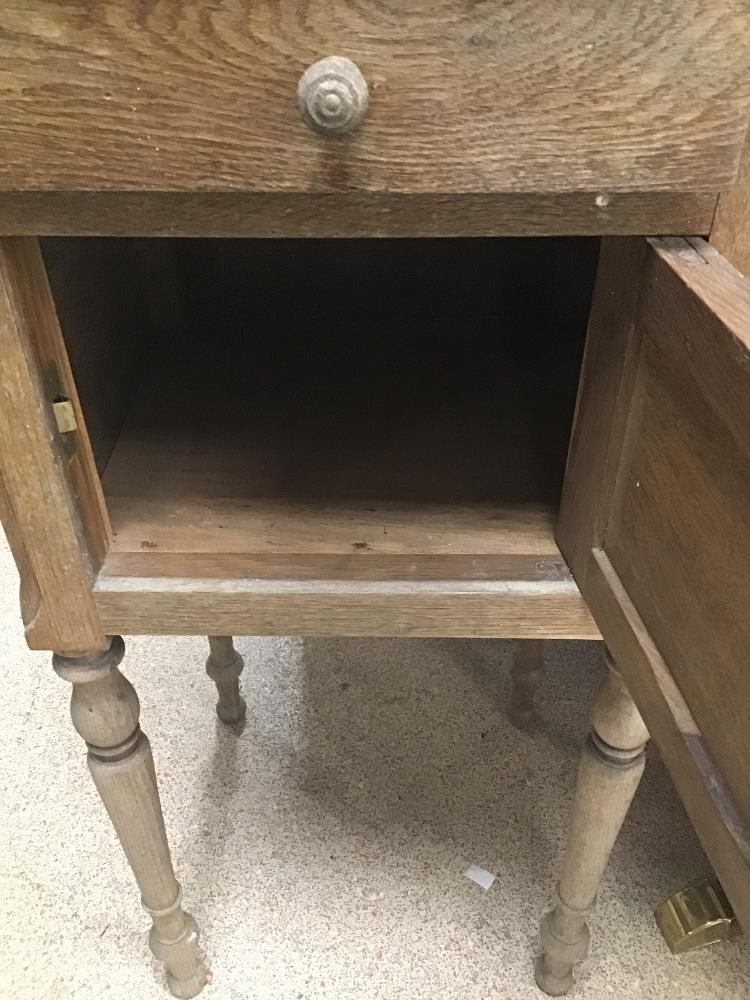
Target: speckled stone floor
x: 323, y: 848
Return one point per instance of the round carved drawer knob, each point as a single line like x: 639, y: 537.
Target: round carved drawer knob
x: 332, y: 96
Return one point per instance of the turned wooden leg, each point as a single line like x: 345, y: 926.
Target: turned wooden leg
x: 105, y: 711
x: 526, y: 671
x: 224, y: 666
x: 611, y: 767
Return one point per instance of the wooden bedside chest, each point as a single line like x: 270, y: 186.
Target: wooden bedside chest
x: 325, y: 433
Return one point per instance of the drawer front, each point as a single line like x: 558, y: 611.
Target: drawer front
x: 526, y: 96
x: 655, y: 519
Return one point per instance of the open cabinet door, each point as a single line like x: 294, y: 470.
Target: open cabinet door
x: 655, y: 518
x: 51, y: 502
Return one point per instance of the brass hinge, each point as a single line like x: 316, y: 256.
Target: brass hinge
x: 65, y: 416
x: 62, y: 408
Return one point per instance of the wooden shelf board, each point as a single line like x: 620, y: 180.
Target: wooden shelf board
x: 265, y: 568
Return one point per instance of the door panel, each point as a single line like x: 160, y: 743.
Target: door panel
x: 679, y: 538
x: 50, y: 501
x: 667, y: 555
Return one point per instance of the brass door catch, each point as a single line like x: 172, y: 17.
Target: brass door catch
x: 696, y: 917
x: 65, y: 416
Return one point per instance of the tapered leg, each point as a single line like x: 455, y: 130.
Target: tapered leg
x: 527, y: 671
x: 224, y: 666
x: 611, y: 767
x: 105, y: 711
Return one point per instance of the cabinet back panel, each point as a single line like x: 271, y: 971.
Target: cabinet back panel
x: 406, y: 369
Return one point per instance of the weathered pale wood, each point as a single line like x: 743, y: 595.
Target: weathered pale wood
x: 165, y: 213
x: 541, y: 562
x: 49, y: 488
x: 611, y: 767
x: 224, y: 666
x: 730, y: 232
x: 105, y: 712
x: 155, y: 526
x: 528, y: 96
x: 607, y: 373
x: 479, y: 608
x: 526, y: 671
x: 724, y: 833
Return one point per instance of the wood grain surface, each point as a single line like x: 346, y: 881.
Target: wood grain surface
x: 536, y: 559
x: 657, y: 489
x: 730, y: 232
x: 348, y: 214
x: 528, y: 96
x: 601, y: 413
x: 679, y: 529
x: 611, y: 767
x: 701, y: 785
x: 47, y: 489
x: 198, y: 521
x: 473, y: 609
x: 50, y: 356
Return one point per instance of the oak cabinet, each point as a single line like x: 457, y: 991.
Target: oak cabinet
x: 523, y: 410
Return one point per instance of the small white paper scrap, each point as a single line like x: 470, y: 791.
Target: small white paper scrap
x: 480, y: 876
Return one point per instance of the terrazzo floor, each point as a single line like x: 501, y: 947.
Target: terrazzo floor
x: 323, y: 848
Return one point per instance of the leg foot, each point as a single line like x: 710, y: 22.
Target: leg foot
x: 186, y: 974
x: 611, y: 767
x: 565, y: 939
x: 224, y: 666
x: 105, y: 711
x: 527, y: 671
